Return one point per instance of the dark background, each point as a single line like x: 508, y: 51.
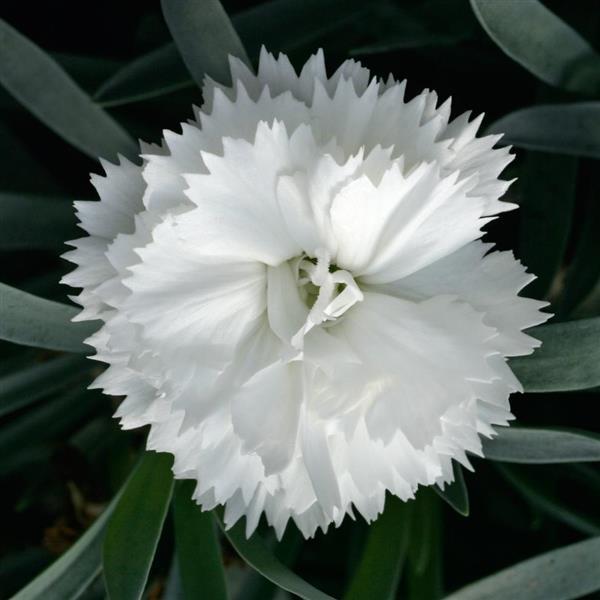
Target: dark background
x: 64, y: 465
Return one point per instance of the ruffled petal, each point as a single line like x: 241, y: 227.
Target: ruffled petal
x: 490, y: 283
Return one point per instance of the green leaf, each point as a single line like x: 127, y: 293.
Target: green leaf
x: 568, y: 572
x: 546, y: 500
x: 394, y: 26
x: 283, y: 25
x: 254, y: 586
x: 572, y: 129
x: 136, y: 524
x: 197, y: 547
x: 41, y: 85
x: 30, y: 221
x: 22, y: 168
x: 582, y: 278
x: 378, y: 573
x: 49, y: 421
x: 425, y: 548
x: 539, y: 446
x: 26, y: 386
x: 21, y: 565
x: 31, y: 321
x: 255, y: 552
x: 88, y: 71
x: 569, y: 358
x: 455, y: 493
x: 76, y: 570
x: 538, y: 40
x: 153, y: 74
x: 547, y: 186
x: 205, y: 37
x: 403, y: 40
x: 287, y: 25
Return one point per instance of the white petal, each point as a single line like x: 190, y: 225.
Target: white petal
x: 265, y: 413
x: 421, y: 356
x: 184, y: 299
x: 490, y: 283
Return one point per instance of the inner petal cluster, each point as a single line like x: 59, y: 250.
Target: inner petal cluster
x: 327, y: 290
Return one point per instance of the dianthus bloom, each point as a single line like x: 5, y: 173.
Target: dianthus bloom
x: 295, y: 298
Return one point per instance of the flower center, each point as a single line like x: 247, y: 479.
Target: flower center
x: 327, y: 290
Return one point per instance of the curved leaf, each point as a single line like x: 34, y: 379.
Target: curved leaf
x: 88, y: 71
x: 26, y: 386
x: 158, y: 72
x: 205, y: 37
x: 455, y: 493
x: 543, y: 498
x: 378, y: 573
x: 198, y: 548
x: 76, y: 570
x: 569, y: 358
x: 425, y: 549
x: 538, y: 40
x: 547, y: 184
x: 28, y: 221
x: 282, y: 25
x: 582, y: 277
x: 254, y: 586
x: 396, y: 26
x: 255, y: 552
x: 559, y: 128
x: 285, y: 25
x: 539, y: 446
x: 32, y: 321
x: 42, y: 86
x: 136, y: 524
x: 22, y: 168
x: 51, y: 420
x: 403, y: 40
x: 568, y: 572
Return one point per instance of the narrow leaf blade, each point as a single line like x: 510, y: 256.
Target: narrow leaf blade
x: 31, y: 321
x: 198, y: 548
x: 572, y: 129
x: 155, y: 73
x: 134, y: 529
x: 76, y: 570
x: 286, y: 25
x: 26, y: 386
x: 544, y: 498
x: 281, y: 25
x: 455, y: 493
x: 378, y: 573
x: 255, y: 552
x: 46, y: 90
x: 548, y: 197
x: 568, y: 572
x: 542, y: 446
x: 425, y: 577
x: 582, y: 277
x: 205, y: 37
x: 51, y: 420
x: 28, y: 221
x: 569, y: 358
x: 537, y: 39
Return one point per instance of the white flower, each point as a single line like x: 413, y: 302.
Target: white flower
x: 295, y: 298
